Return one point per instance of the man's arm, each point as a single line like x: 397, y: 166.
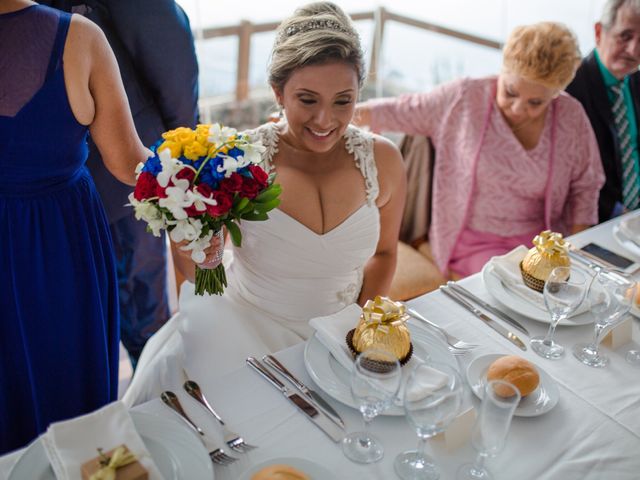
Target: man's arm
x: 158, y: 37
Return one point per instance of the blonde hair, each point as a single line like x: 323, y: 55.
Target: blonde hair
x: 545, y: 53
x: 316, y: 33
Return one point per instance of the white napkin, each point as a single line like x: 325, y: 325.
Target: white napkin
x: 630, y: 227
x: 73, y: 442
x: 507, y: 268
x: 332, y: 331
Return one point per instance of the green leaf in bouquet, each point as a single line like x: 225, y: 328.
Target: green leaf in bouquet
x: 267, y: 206
x: 269, y: 193
x: 247, y: 208
x: 242, y: 202
x: 234, y: 231
x: 255, y: 216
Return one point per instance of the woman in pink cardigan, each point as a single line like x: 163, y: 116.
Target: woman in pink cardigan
x: 514, y: 154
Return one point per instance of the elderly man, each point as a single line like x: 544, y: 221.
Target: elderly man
x: 608, y: 86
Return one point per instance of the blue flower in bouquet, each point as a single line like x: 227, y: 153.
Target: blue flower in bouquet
x: 153, y: 166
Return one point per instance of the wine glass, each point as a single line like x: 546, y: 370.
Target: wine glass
x: 610, y: 297
x: 432, y: 399
x: 564, y: 291
x: 375, y: 381
x: 491, y: 427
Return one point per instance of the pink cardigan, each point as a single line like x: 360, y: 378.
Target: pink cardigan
x: 455, y: 116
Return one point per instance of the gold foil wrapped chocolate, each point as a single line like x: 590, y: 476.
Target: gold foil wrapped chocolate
x: 383, y: 325
x: 550, y: 251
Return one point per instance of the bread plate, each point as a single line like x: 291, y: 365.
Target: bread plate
x: 538, y: 402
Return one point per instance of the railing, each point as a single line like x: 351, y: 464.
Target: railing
x: 379, y: 16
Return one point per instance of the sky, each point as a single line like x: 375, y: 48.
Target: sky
x: 441, y: 58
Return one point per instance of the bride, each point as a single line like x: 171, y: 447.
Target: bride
x: 331, y: 242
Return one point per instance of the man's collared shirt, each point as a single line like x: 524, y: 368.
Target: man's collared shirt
x: 611, y: 81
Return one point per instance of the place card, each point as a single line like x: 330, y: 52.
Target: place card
x: 619, y: 335
x: 459, y: 431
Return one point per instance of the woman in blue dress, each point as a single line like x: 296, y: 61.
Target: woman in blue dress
x: 58, y: 296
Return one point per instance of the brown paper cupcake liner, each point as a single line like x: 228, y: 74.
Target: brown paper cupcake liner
x: 531, y: 281
x: 375, y: 365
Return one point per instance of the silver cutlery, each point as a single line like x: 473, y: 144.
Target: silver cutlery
x: 456, y: 346
x: 235, y: 441
x: 217, y: 455
x: 498, y: 313
x: 322, y: 421
x: 512, y: 337
x: 315, y: 399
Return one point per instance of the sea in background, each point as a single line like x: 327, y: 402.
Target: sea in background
x: 412, y: 59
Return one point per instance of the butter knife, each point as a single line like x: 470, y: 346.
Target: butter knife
x: 512, y: 337
x: 498, y: 313
x: 315, y: 399
x: 322, y: 421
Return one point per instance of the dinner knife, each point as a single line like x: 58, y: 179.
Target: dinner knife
x: 315, y: 399
x: 321, y: 420
x: 466, y: 293
x: 512, y: 337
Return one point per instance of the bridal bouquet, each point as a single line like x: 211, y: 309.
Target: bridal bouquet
x: 198, y: 181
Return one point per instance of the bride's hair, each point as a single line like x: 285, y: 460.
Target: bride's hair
x: 316, y: 33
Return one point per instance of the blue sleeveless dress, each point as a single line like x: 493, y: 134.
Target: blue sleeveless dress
x: 58, y: 291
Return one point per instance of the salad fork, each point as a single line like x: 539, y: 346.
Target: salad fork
x: 456, y: 346
x: 217, y: 455
x: 235, y: 441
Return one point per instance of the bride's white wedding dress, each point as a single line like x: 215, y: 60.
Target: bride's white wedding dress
x: 283, y: 275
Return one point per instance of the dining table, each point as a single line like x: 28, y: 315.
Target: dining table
x: 591, y: 433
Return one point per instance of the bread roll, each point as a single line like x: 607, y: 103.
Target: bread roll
x: 279, y: 472
x: 515, y: 370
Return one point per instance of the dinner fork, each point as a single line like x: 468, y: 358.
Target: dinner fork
x: 235, y: 441
x: 217, y: 455
x: 456, y: 346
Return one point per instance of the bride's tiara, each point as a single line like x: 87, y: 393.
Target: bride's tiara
x: 315, y: 25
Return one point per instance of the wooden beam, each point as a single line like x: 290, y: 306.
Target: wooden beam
x: 432, y: 27
x: 244, y: 53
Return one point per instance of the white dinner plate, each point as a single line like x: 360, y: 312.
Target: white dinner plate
x: 312, y: 469
x: 334, y: 379
x: 176, y: 451
x: 540, y: 401
x: 625, y: 242
x: 515, y: 303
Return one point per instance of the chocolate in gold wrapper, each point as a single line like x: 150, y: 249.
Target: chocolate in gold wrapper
x: 550, y: 251
x: 383, y: 325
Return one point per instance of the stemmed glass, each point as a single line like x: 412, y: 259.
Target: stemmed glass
x: 564, y: 291
x: 610, y: 297
x: 375, y: 381
x: 429, y: 411
x: 492, y: 425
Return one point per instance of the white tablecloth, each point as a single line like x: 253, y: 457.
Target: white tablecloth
x: 593, y: 432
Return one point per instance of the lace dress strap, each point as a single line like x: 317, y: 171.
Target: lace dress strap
x: 360, y: 144
x: 268, y: 134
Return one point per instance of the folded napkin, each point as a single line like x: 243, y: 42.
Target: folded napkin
x: 332, y: 331
x: 630, y: 227
x: 73, y: 442
x: 507, y: 268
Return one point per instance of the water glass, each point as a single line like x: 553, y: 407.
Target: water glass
x: 375, y: 381
x: 430, y: 408
x: 610, y: 297
x: 492, y: 425
x: 563, y: 293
